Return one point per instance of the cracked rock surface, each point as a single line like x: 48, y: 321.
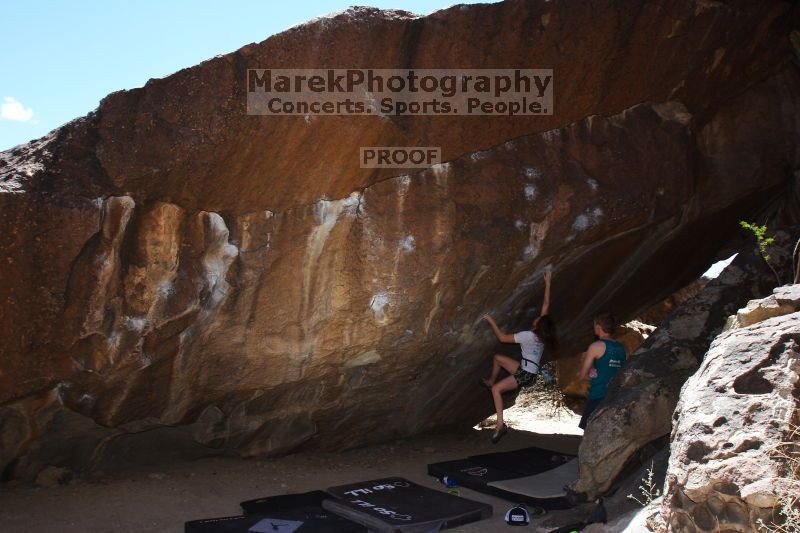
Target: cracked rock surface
x: 726, y: 470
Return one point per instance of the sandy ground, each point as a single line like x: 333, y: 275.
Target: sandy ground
x: 161, y: 498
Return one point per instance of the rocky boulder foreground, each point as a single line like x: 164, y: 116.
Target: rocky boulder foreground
x: 728, y: 469
x: 644, y: 394
x: 181, y: 277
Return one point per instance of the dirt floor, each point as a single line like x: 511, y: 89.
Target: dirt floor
x: 161, y: 498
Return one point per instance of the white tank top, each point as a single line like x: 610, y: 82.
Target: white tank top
x: 532, y: 348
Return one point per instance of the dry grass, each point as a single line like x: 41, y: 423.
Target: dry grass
x: 650, y: 500
x: 788, y: 510
x: 540, y: 408
x: 648, y: 489
x: 545, y: 394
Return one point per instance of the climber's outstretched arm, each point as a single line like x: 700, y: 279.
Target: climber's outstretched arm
x: 501, y: 336
x: 548, y: 278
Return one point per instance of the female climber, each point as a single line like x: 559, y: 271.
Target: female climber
x: 523, y: 373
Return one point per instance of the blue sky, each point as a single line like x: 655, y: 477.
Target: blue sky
x: 60, y: 57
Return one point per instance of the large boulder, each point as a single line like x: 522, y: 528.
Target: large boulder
x: 643, y: 395
x: 782, y: 301
x: 726, y: 470
x: 180, y: 275
x: 656, y: 314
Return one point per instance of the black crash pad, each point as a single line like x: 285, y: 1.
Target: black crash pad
x: 469, y: 473
x: 477, y: 472
x: 394, y: 504
x: 290, y: 513
x: 527, y: 461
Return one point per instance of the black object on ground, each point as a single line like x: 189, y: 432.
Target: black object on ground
x: 262, y: 523
x: 290, y: 513
x: 284, y: 502
x: 397, y: 505
x: 599, y: 516
x: 479, y: 471
x: 570, y: 528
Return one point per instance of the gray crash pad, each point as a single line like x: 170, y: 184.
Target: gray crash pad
x: 549, y: 484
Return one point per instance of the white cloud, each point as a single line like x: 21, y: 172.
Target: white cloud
x: 10, y: 109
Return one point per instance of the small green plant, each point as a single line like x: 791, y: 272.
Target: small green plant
x: 763, y: 241
x: 648, y: 489
x: 760, y: 233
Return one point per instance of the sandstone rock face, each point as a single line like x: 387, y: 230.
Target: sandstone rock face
x: 656, y: 314
x: 53, y: 476
x: 782, y: 301
x: 643, y: 395
x: 632, y: 334
x: 181, y: 276
x: 724, y: 471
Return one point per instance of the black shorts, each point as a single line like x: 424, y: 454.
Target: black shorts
x: 591, y: 405
x: 524, y: 378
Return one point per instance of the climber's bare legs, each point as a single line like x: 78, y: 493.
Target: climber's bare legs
x: 501, y: 361
x: 504, y: 385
